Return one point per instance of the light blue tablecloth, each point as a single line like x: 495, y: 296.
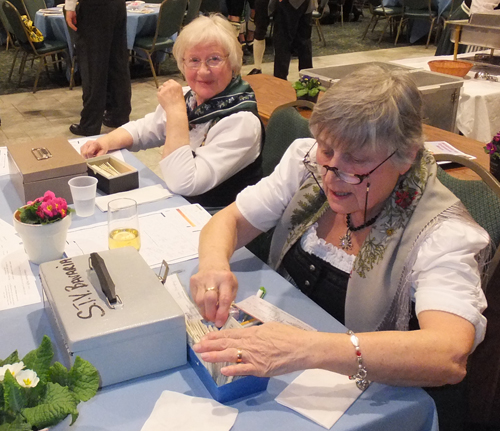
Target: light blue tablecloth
x: 126, y: 406
x: 138, y: 24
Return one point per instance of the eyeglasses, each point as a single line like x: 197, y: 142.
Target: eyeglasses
x: 212, y: 62
x: 322, y: 170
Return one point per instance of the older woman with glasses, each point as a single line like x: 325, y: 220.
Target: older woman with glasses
x: 364, y: 228
x: 212, y: 135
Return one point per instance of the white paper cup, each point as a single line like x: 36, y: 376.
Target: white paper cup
x: 83, y: 191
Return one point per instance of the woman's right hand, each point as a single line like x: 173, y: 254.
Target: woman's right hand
x: 213, y: 291
x: 94, y: 148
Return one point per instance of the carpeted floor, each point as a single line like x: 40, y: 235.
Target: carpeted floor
x: 339, y: 39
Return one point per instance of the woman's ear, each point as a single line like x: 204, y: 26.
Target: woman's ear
x: 403, y: 169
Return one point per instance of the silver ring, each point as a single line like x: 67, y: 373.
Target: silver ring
x: 239, y: 357
x: 210, y: 289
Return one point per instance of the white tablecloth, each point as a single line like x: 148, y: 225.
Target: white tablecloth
x: 478, y: 115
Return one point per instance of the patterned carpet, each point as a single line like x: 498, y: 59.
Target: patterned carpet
x: 339, y: 39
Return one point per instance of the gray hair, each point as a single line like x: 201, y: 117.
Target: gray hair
x: 209, y: 29
x: 372, y: 110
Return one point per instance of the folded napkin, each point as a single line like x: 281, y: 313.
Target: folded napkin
x: 321, y: 396
x: 175, y: 411
x: 141, y: 196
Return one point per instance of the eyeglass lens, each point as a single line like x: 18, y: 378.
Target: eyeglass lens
x: 211, y: 62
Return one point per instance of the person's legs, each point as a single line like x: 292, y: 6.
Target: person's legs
x: 118, y: 106
x: 261, y: 23
x: 284, y: 33
x: 302, y: 41
x: 94, y: 38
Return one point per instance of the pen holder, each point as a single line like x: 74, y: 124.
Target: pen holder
x: 239, y: 388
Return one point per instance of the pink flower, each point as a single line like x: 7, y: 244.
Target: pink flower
x: 48, y: 208
x: 48, y: 196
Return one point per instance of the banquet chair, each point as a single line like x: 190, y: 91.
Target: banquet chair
x: 482, y: 200
x: 317, y: 15
x: 169, y: 23
x: 33, y: 6
x: 417, y: 10
x: 285, y: 125
x: 378, y: 12
x: 445, y: 16
x: 48, y: 48
x: 193, y: 10
x: 7, y: 27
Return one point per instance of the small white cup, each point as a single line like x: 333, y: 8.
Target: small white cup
x: 83, y: 191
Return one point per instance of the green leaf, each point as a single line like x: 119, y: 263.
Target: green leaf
x: 313, y: 92
x: 83, y: 379
x: 53, y: 408
x: 58, y: 373
x: 39, y: 359
x: 14, y: 396
x: 11, y: 359
x: 19, y: 424
x: 302, y: 92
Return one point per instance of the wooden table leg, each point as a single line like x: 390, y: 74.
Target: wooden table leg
x: 458, y: 29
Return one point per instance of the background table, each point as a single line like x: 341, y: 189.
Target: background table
x: 54, y: 26
x: 478, y: 115
x: 126, y: 406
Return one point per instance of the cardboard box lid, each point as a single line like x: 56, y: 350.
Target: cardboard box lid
x: 85, y: 318
x: 65, y: 160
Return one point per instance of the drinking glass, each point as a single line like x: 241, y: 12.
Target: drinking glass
x: 123, y: 224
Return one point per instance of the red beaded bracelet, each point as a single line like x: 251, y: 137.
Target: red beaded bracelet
x: 361, y: 381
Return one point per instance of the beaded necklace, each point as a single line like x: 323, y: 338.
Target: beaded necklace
x: 346, y: 240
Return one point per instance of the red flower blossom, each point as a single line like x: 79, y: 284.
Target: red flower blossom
x: 404, y: 198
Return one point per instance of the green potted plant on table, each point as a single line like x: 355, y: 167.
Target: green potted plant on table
x: 308, y: 88
x: 43, y: 225
x: 35, y: 394
x: 493, y: 149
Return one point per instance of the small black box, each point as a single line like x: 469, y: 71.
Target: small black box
x: 127, y: 179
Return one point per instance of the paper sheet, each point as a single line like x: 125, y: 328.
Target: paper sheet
x: 443, y: 147
x: 175, y: 411
x: 178, y: 292
x: 321, y: 396
x: 171, y: 235
x: 141, y: 196
x: 77, y: 143
x: 267, y: 312
x: 4, y: 164
x: 17, y: 282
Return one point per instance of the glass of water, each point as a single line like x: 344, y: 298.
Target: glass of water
x: 123, y: 224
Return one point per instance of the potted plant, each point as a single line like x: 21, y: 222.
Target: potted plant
x: 43, y: 225
x: 308, y: 88
x: 493, y: 149
x: 36, y: 394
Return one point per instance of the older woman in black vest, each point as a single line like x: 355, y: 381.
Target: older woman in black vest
x: 365, y: 229
x: 211, y: 135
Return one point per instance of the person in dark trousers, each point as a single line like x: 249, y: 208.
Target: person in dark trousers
x: 292, y: 31
x: 101, y: 44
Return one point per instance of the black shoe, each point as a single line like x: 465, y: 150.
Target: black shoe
x: 255, y: 71
x: 245, y: 50
x: 76, y: 129
x: 110, y: 122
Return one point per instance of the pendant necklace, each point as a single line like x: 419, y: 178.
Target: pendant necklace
x: 346, y: 240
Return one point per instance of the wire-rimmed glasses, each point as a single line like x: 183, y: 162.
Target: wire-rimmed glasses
x: 354, y: 179
x: 211, y: 62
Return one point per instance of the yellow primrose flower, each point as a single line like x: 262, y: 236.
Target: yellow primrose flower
x: 27, y: 378
x: 13, y: 368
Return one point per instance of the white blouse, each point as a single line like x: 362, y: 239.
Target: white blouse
x: 445, y: 275
x: 230, y: 145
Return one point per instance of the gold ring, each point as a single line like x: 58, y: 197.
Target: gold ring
x: 209, y: 289
x: 239, y: 357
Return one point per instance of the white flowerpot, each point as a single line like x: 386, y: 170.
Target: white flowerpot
x: 43, y: 242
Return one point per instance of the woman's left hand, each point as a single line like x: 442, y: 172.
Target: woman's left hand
x: 171, y: 97
x: 267, y: 350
